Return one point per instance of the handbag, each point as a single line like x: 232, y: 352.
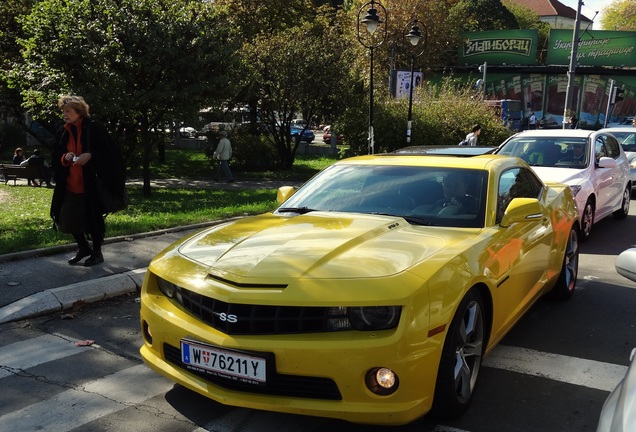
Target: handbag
x: 111, y: 201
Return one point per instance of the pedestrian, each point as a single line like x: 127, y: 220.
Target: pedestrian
x: 44, y: 170
x: 532, y: 121
x: 574, y: 122
x: 223, y: 153
x: 542, y: 123
x: 471, y: 138
x: 82, y: 153
x: 18, y: 156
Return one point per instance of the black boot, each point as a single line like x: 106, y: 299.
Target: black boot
x: 95, y: 258
x: 83, y: 249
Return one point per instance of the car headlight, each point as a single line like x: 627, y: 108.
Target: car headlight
x: 374, y: 317
x: 169, y: 289
x: 575, y: 189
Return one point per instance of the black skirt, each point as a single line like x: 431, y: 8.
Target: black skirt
x: 72, y: 217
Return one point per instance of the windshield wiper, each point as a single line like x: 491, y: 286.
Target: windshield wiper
x: 410, y: 219
x: 299, y: 210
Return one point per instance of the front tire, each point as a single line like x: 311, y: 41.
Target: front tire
x: 564, y: 288
x: 461, y: 358
x: 624, y: 210
x: 587, y: 220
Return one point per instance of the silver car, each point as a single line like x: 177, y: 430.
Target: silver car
x: 619, y: 410
x: 626, y: 136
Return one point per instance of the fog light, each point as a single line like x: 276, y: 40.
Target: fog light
x: 146, y: 332
x: 382, y: 381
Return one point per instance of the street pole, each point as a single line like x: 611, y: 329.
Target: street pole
x: 409, y: 123
x: 372, y: 21
x: 414, y: 36
x: 571, y: 69
x: 609, y: 103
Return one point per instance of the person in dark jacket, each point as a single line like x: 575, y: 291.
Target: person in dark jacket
x: 82, y: 152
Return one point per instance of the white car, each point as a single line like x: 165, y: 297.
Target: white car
x: 626, y: 136
x: 592, y: 163
x: 619, y: 410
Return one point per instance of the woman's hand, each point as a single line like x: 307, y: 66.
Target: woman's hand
x: 82, y: 159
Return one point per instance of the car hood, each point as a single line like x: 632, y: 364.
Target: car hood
x: 320, y: 245
x: 569, y: 176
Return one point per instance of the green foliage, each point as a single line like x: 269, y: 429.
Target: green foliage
x: 250, y: 151
x: 619, y: 15
x: 442, y: 116
x: 480, y: 15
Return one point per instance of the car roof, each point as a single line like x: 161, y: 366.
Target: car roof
x: 565, y: 133
x: 465, y: 151
x: 627, y: 129
x: 480, y: 162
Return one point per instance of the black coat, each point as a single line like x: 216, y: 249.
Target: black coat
x: 106, y: 163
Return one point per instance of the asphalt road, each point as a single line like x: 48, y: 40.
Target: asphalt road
x: 551, y: 373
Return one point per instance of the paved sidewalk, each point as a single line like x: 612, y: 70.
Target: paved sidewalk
x: 41, y: 281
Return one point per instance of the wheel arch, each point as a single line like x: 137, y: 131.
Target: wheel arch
x: 486, y: 295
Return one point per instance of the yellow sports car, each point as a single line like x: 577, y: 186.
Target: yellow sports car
x: 370, y: 295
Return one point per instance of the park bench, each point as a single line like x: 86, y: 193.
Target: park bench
x: 15, y: 172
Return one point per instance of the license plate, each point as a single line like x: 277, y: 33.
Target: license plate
x: 216, y: 361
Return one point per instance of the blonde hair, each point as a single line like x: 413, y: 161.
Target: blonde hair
x: 76, y: 102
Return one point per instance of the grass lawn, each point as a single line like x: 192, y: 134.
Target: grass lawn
x: 25, y: 223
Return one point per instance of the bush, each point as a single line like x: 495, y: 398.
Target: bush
x: 442, y: 115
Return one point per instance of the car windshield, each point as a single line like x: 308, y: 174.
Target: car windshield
x: 427, y: 196
x: 627, y: 140
x: 562, y: 152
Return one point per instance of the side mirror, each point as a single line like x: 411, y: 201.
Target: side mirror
x: 626, y: 264
x: 284, y: 192
x: 522, y: 210
x: 606, y: 162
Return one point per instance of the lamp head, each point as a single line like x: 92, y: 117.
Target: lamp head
x: 414, y: 35
x: 371, y: 20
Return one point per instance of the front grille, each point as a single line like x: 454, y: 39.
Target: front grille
x: 241, y: 319
x: 278, y: 384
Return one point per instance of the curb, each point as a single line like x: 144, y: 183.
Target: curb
x: 62, y: 298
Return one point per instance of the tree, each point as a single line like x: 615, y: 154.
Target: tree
x: 299, y: 71
x: 139, y: 64
x: 481, y: 15
x: 619, y: 15
x: 10, y: 99
x: 529, y: 19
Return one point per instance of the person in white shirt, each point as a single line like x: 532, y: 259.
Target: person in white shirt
x: 223, y: 153
x: 471, y: 138
x: 532, y: 121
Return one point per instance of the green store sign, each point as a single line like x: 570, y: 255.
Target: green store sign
x: 596, y: 48
x: 509, y: 46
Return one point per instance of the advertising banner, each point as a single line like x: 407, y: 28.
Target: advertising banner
x: 596, y: 48
x: 499, y: 47
x: 404, y: 83
x: 556, y: 92
x: 532, y: 87
x: 594, y: 88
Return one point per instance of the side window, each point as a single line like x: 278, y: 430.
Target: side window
x: 599, y: 149
x: 612, y: 147
x: 516, y: 183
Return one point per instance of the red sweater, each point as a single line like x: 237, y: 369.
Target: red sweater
x: 75, y: 179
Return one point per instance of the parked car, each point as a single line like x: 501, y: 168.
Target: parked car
x: 619, y: 410
x: 187, y: 132
x: 307, y: 135
x: 626, y: 136
x: 326, y: 136
x: 591, y: 162
x: 370, y: 295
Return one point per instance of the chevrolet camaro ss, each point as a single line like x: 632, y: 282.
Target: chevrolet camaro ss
x: 371, y: 294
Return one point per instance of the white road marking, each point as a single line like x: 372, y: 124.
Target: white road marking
x: 33, y: 352
x: 72, y: 408
x: 571, y: 370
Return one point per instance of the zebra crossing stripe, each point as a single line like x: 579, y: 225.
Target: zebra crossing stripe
x: 571, y: 370
x: 72, y: 408
x: 33, y: 352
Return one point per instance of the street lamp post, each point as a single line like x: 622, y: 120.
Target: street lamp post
x: 371, y: 21
x: 414, y: 36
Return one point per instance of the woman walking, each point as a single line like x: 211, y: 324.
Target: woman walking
x: 83, y: 151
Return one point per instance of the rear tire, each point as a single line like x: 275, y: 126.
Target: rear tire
x: 624, y: 210
x: 461, y: 358
x: 566, y: 284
